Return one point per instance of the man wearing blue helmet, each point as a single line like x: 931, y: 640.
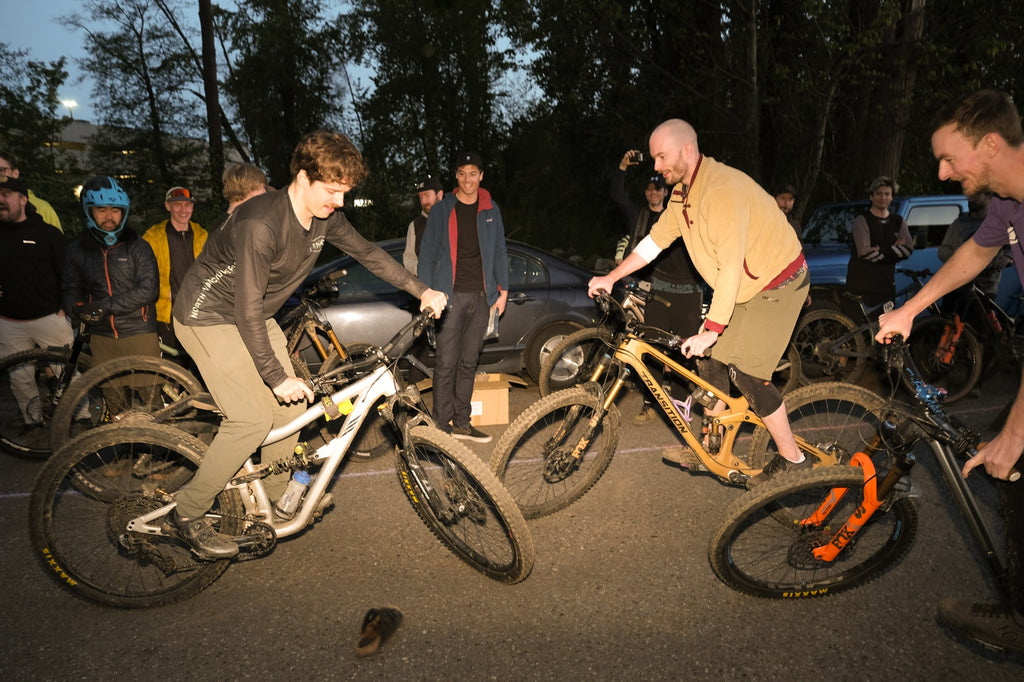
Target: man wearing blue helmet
x: 110, y: 277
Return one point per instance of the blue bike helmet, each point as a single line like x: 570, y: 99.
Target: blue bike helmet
x: 102, y: 190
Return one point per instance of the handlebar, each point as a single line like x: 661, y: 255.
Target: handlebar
x: 938, y: 423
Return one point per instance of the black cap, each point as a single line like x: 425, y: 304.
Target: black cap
x: 467, y: 159
x: 659, y: 181
x: 14, y: 184
x: 428, y: 183
x: 784, y: 189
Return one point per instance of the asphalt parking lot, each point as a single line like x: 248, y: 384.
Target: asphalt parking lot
x: 621, y: 590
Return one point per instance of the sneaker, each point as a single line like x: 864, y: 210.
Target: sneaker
x: 992, y: 625
x: 778, y: 465
x: 198, y: 533
x: 645, y: 415
x: 470, y: 433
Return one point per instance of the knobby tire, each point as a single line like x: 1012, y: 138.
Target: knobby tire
x: 82, y: 538
x: 465, y: 506
x: 15, y: 437
x: 959, y: 374
x: 142, y: 384
x: 532, y: 458
x: 762, y: 549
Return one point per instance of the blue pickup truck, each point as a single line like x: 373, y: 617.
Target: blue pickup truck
x: 828, y: 239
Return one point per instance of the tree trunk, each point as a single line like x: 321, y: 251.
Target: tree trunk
x: 212, y: 96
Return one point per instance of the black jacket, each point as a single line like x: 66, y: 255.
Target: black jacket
x: 123, y: 277
x: 31, y: 263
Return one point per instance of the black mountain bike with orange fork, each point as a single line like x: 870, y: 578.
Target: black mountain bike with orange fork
x: 817, y: 532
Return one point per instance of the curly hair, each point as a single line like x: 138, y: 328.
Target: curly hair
x: 329, y: 157
x: 980, y: 113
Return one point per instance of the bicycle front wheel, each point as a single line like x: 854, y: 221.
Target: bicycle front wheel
x: 765, y: 547
x: 956, y: 371
x: 464, y: 505
x: 128, y: 387
x: 84, y: 539
x: 535, y: 459
x: 35, y: 379
x: 572, y: 361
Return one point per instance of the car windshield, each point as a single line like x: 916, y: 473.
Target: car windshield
x: 524, y: 270
x: 833, y: 224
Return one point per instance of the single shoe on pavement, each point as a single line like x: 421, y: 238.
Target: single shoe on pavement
x: 645, y: 415
x: 198, y: 533
x: 680, y: 456
x: 378, y: 626
x: 470, y: 433
x: 992, y: 625
x: 778, y: 465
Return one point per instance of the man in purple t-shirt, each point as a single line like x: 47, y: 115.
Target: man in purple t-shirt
x: 978, y: 141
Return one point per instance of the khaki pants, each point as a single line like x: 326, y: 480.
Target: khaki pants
x: 19, y: 335
x: 250, y: 410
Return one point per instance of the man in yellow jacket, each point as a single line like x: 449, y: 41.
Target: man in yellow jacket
x: 176, y: 242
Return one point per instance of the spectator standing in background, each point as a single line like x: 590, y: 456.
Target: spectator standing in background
x: 9, y: 167
x: 429, y: 192
x: 785, y: 197
x: 880, y: 240
x: 176, y: 242
x: 464, y: 256
x: 242, y: 181
x: 110, y: 279
x: 31, y: 263
x: 676, y: 288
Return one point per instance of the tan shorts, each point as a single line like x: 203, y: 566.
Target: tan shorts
x: 760, y: 329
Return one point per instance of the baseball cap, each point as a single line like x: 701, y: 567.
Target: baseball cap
x: 14, y: 184
x: 469, y: 159
x: 428, y: 183
x: 179, y: 194
x: 659, y: 181
x: 784, y: 189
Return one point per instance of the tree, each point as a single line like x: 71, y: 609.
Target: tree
x: 30, y: 123
x: 437, y: 73
x: 282, y: 78
x: 152, y: 132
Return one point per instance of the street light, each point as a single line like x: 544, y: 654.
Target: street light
x: 70, y: 104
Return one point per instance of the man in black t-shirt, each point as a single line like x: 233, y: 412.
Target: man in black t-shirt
x: 464, y: 255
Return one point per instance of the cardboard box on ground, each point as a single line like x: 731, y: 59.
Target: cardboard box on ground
x: 490, y: 397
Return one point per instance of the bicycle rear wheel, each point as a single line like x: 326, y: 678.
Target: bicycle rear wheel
x: 765, y: 548
x: 839, y: 419
x: 44, y: 372
x: 957, y: 372
x: 83, y: 538
x: 464, y: 505
x: 821, y: 357
x: 126, y: 388
x: 533, y: 458
x: 572, y: 361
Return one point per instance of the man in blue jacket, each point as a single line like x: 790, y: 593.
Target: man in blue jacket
x: 463, y: 255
